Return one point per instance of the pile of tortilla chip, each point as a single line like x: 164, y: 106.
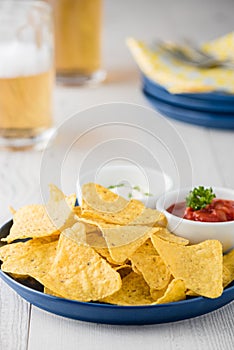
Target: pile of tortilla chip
x: 110, y: 250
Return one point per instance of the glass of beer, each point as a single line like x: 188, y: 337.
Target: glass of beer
x: 78, y: 41
x: 26, y: 73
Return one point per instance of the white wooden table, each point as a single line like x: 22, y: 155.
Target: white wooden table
x: 23, y: 326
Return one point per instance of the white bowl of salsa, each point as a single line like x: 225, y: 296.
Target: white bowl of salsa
x: 216, y: 221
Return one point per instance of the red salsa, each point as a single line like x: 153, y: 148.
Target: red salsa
x: 219, y: 210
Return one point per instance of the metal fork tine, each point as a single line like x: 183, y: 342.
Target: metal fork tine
x: 192, y: 55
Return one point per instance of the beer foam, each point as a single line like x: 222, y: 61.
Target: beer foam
x: 23, y: 59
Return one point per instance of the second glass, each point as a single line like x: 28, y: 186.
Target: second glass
x: 78, y: 41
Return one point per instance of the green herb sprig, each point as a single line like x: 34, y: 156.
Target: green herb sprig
x: 200, y: 197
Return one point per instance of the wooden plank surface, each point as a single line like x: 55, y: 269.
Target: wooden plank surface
x: 211, y: 332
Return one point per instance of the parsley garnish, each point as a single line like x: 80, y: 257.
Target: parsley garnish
x: 199, y: 197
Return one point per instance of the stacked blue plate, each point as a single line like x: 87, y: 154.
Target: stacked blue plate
x: 214, y: 109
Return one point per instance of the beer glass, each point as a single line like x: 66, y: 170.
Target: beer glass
x: 26, y: 73
x: 78, y: 41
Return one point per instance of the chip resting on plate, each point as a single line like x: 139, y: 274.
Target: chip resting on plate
x: 123, y: 241
x: 228, y: 264
x: 152, y: 267
x: 200, y: 266
x: 33, y: 258
x: 134, y: 291
x: 80, y: 273
x: 98, y: 198
x: 176, y: 291
x: 35, y: 221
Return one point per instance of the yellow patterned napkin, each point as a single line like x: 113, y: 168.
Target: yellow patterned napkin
x: 178, y: 77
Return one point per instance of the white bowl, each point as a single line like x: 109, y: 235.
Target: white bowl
x: 148, y: 179
x: 196, y: 231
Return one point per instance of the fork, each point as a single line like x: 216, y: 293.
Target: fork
x: 192, y: 55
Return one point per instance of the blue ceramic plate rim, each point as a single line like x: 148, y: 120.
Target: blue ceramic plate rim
x: 191, y: 116
x: 225, y: 97
x: 24, y: 290
x: 214, y: 106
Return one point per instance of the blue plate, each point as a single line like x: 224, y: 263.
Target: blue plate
x: 113, y: 314
x: 192, y: 101
x: 208, y: 96
x: 207, y: 119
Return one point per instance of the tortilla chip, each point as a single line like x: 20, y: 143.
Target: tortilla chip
x: 77, y: 233
x: 150, y: 217
x: 33, y: 258
x: 33, y: 221
x: 190, y: 293
x: 96, y: 222
x: 50, y: 292
x: 152, y: 267
x: 104, y: 252
x: 59, y: 208
x: 228, y: 263
x: 130, y: 212
x: 175, y: 292
x: 123, y: 241
x: 14, y: 249
x: 71, y: 200
x: 134, y: 291
x: 79, y: 273
x: 98, y: 198
x: 199, y: 265
x: 156, y: 293
x: 166, y: 235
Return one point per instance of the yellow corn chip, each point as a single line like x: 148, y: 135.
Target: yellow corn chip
x: 104, y: 252
x: 190, y: 293
x: 227, y: 279
x: 30, y: 258
x: 96, y: 221
x: 33, y: 221
x: 79, y: 273
x: 123, y: 241
x: 98, y: 198
x: 156, y: 293
x: 132, y: 209
x: 164, y: 234
x: 152, y: 267
x: 175, y: 292
x: 199, y: 265
x: 228, y: 262
x: 134, y: 291
x: 14, y: 250
x: 71, y: 200
x: 60, y: 209
x: 48, y: 291
x: 150, y: 217
x: 77, y: 233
